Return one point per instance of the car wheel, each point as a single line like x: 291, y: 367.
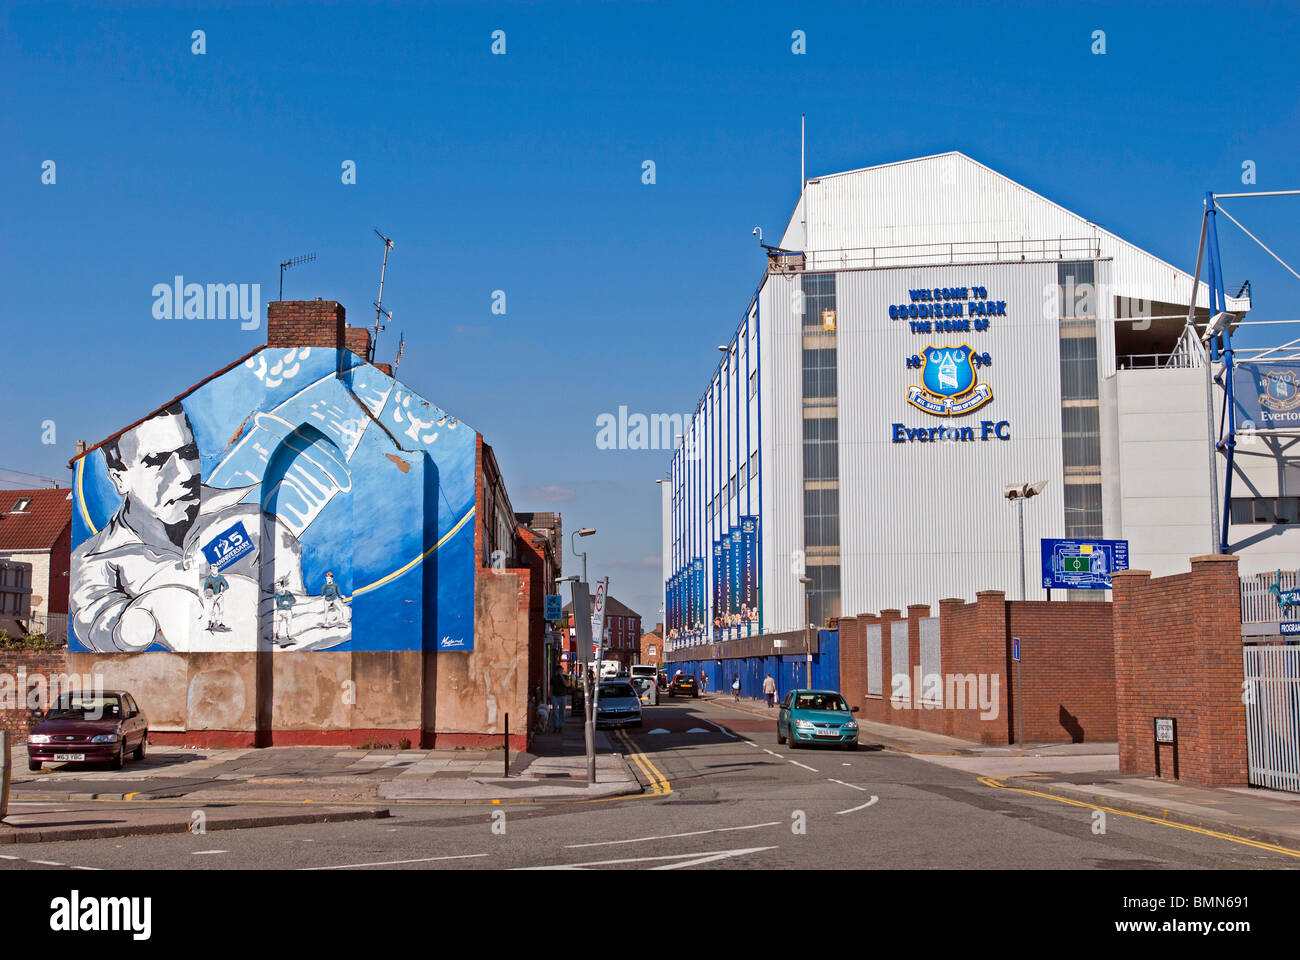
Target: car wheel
x: 140, y: 750
x: 34, y: 765
x: 119, y: 761
x: 780, y: 737
x: 794, y: 744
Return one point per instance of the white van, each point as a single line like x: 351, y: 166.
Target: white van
x: 610, y: 669
x: 647, y: 670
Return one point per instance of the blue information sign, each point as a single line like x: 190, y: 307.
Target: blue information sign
x: 554, y: 606
x: 1082, y: 564
x: 1015, y: 649
x: 1290, y: 628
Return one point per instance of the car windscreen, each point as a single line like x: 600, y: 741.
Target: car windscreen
x: 820, y: 701
x: 85, y: 707
x: 685, y: 679
x: 616, y: 690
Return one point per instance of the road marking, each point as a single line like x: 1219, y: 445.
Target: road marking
x: 752, y: 743
x: 204, y: 853
x: 720, y: 727
x: 773, y: 753
x: 656, y: 730
x: 804, y: 765
x: 843, y: 784
x: 697, y: 730
x: 47, y: 863
x: 1259, y: 844
x: 659, y: 785
x: 673, y: 836
x: 392, y: 863
x: 859, y: 807
x: 689, y: 859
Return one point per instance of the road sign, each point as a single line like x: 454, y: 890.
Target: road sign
x: 564, y: 657
x: 1015, y: 649
x: 1082, y: 564
x: 582, y: 619
x: 554, y: 606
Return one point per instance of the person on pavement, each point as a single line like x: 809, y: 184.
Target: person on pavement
x: 769, y: 690
x: 559, y: 699
x: 735, y: 687
x: 704, y: 682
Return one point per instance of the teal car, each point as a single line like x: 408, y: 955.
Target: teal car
x: 816, y: 716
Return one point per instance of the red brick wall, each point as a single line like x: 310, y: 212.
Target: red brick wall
x: 1067, y: 664
x: 305, y: 323
x: 357, y: 339
x: 19, y: 671
x: 1177, y: 643
x: 60, y: 560
x: 1069, y: 681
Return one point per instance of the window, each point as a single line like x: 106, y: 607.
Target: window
x: 1081, y: 433
x: 653, y: 650
x: 819, y: 375
x: 821, y: 459
x: 21, y: 505
x: 821, y: 525
x: 1265, y: 510
x: 753, y: 383
x: 819, y: 296
x: 1083, y: 510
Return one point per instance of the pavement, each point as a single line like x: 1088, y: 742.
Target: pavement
x: 1089, y: 774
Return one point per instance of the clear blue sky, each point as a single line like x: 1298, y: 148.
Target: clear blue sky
x: 523, y: 173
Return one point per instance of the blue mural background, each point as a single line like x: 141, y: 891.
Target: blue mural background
x: 370, y: 482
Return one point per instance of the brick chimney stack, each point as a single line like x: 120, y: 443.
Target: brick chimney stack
x: 306, y: 323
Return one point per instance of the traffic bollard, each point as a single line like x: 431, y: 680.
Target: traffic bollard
x: 6, y: 768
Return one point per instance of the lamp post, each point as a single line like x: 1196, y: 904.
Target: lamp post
x: 1020, y: 492
x: 584, y: 532
x: 807, y: 627
x: 589, y: 728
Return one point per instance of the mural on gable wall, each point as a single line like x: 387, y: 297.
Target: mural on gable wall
x: 303, y: 500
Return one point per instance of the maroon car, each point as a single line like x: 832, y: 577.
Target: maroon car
x: 98, y: 727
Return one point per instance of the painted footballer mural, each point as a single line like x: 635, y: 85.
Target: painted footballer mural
x: 301, y: 500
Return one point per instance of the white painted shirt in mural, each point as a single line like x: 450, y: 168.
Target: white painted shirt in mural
x: 128, y: 595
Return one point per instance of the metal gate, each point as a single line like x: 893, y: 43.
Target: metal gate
x: 1273, y: 715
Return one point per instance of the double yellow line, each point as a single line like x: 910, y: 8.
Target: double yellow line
x: 1258, y: 844
x: 659, y: 785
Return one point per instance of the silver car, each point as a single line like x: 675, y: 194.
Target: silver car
x: 619, y: 705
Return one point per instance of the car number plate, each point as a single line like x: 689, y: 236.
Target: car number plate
x: 69, y: 757
x: 821, y: 732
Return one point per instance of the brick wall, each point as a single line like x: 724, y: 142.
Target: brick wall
x: 20, y: 672
x: 1177, y: 643
x: 305, y: 323
x: 357, y: 339
x: 1067, y: 665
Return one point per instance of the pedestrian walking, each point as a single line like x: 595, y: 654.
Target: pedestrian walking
x: 735, y: 687
x: 769, y: 691
x: 704, y: 682
x: 559, y: 699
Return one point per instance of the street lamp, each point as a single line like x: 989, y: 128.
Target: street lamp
x: 807, y: 625
x: 584, y: 532
x: 1020, y: 492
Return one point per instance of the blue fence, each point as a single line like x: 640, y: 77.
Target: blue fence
x: 790, y: 671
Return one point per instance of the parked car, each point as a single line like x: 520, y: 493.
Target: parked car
x: 816, y: 716
x: 618, y: 705
x: 684, y: 684
x: 98, y: 727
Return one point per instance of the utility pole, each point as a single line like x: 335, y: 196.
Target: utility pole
x: 380, y: 312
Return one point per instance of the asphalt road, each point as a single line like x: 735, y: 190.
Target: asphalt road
x: 721, y: 795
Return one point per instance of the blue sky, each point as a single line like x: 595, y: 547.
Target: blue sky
x: 522, y: 173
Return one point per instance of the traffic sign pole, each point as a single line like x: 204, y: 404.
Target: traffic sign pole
x: 1020, y: 694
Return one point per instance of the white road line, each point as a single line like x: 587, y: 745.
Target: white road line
x: 859, y: 807
x: 5, y: 856
x: 391, y: 863
x: 773, y: 753
x: 751, y: 743
x: 48, y: 863
x: 204, y: 853
x: 710, y: 859
x: 843, y: 784
x: 689, y: 858
x: 674, y: 836
x: 804, y: 765
x: 85, y: 868
x: 723, y: 729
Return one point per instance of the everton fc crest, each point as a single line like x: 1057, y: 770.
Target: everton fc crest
x: 948, y: 386
x: 1281, y: 391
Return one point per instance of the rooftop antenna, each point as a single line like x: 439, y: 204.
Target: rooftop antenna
x: 401, y: 344
x: 380, y: 312
x: 291, y: 263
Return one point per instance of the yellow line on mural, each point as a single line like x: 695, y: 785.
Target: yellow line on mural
x: 401, y: 570
x: 81, y: 498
